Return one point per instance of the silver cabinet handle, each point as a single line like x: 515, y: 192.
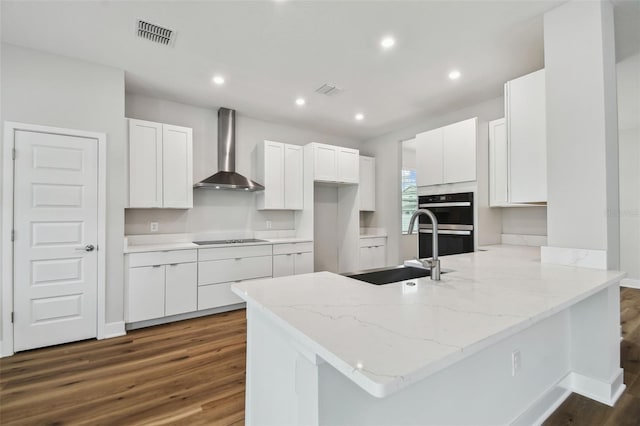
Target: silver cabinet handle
x: 88, y: 247
x: 156, y: 266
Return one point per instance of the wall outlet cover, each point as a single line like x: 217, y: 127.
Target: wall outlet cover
x: 153, y: 226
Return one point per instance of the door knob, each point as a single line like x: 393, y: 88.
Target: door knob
x: 88, y: 247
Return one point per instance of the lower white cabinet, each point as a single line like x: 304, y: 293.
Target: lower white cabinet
x: 292, y: 259
x: 373, y: 253
x: 218, y: 268
x: 161, y: 284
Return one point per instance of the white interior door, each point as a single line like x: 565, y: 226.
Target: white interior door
x: 55, y: 222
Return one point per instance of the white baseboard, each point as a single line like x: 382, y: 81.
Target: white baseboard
x: 114, y: 329
x: 604, y: 392
x: 595, y: 259
x: 630, y: 282
x: 180, y: 317
x: 544, y: 406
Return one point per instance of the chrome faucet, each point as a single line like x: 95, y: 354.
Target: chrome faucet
x: 434, y: 262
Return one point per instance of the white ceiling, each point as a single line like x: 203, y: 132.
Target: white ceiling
x: 271, y: 52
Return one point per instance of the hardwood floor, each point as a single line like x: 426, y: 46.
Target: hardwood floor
x: 192, y: 373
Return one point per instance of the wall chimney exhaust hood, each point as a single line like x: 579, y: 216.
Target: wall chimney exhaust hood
x: 227, y: 178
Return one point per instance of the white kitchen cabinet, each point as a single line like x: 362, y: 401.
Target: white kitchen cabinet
x: 335, y: 164
x: 160, y: 165
x: 161, y: 284
x: 279, y: 167
x: 373, y: 252
x: 526, y: 135
x: 498, y: 163
x: 145, y: 295
x: 181, y: 288
x: 219, y: 267
x: 292, y: 259
x: 447, y: 154
x: 367, y: 183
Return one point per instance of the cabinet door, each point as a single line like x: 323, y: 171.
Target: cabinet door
x: 274, y: 176
x: 293, y: 177
x: 145, y: 164
x: 325, y: 163
x: 303, y: 263
x: 526, y: 133
x: 177, y: 167
x: 379, y: 257
x: 181, y: 288
x: 459, y: 151
x: 367, y: 183
x: 365, y: 258
x: 498, y: 163
x: 145, y: 294
x: 429, y: 158
x: 216, y: 295
x: 283, y: 265
x: 348, y: 165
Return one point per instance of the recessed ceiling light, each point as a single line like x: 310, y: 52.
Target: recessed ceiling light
x: 300, y: 101
x: 218, y: 79
x: 359, y: 116
x: 387, y: 42
x: 454, y: 75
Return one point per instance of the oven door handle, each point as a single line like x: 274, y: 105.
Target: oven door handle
x: 455, y: 204
x: 445, y: 232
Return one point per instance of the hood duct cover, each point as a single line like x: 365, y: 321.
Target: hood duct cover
x: 227, y: 178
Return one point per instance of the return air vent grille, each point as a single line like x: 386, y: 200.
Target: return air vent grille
x: 155, y: 33
x: 329, y: 89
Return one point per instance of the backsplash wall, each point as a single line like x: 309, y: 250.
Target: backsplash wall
x: 216, y: 210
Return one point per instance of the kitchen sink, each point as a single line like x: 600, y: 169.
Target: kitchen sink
x: 389, y: 275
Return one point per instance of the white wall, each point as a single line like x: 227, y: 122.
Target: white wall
x: 387, y: 149
x: 628, y: 72
x: 524, y: 220
x: 216, y: 210
x: 40, y: 88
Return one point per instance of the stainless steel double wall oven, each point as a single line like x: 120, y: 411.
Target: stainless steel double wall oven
x: 455, y: 223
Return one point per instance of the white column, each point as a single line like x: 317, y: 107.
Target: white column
x: 582, y: 139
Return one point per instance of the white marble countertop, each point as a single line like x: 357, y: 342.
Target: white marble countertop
x: 184, y: 245
x: 386, y: 337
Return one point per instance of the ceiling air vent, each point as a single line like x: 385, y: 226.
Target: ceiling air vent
x: 329, y: 89
x: 155, y: 33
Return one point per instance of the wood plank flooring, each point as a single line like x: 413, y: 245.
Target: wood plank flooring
x: 192, y: 373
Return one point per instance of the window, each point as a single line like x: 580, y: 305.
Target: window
x: 409, y: 197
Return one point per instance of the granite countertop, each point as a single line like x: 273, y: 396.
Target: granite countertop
x: 386, y: 337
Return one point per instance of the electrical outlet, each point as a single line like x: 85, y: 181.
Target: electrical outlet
x: 516, y: 362
x: 269, y: 224
x: 153, y: 226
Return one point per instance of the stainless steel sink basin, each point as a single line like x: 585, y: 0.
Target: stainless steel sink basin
x: 389, y: 275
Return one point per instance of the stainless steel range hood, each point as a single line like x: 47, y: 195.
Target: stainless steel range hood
x: 227, y: 178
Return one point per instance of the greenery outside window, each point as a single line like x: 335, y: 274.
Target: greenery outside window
x: 409, y: 197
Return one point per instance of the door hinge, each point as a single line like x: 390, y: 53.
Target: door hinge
x: 13, y: 153
x: 13, y: 235
x: 12, y: 317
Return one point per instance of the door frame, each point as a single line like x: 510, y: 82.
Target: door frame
x: 10, y: 128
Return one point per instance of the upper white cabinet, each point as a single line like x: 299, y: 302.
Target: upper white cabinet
x: 367, y: 183
x: 447, y: 154
x: 335, y: 164
x: 279, y: 167
x: 526, y: 136
x: 498, y: 163
x: 160, y: 165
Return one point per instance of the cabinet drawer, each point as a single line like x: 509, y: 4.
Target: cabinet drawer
x: 373, y: 242
x: 215, y: 295
x: 151, y: 258
x: 218, y: 253
x: 290, y: 248
x: 227, y: 270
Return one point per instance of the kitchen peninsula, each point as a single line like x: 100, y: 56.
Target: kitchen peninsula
x: 501, y: 339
